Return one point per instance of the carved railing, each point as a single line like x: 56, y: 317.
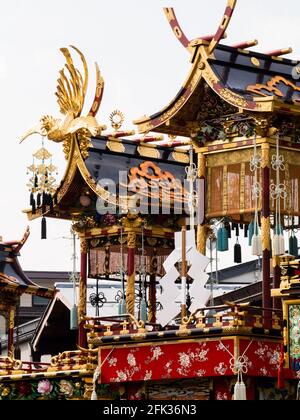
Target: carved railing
x: 234, y: 316
x: 231, y: 316
x: 9, y: 365
x: 119, y: 325
x: 74, y: 360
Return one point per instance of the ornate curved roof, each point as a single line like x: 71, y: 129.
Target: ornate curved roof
x: 12, y: 277
x: 225, y: 80
x: 106, y: 158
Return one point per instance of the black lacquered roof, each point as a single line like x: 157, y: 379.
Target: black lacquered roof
x: 239, y: 70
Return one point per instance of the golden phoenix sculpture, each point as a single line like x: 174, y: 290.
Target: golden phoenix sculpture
x: 71, y: 92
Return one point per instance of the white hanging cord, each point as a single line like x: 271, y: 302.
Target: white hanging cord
x: 278, y: 193
x: 191, y: 172
x: 239, y: 367
x: 255, y: 166
x: 97, y: 374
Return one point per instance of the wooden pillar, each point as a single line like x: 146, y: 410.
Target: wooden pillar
x: 152, y: 289
x: 82, y: 307
x: 130, y: 289
x: 201, y: 233
x: 266, y: 233
x: 276, y: 281
x: 11, y: 326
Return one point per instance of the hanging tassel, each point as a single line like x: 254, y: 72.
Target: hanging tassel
x: 44, y: 228
x: 293, y: 246
x: 246, y: 230
x: 33, y: 207
x: 251, y: 232
x: 94, y: 396
x: 240, y: 393
x: 296, y: 247
x: 39, y: 200
x: 122, y: 307
x: 228, y: 228
x: 51, y: 203
x: 44, y: 199
x: 237, y: 253
x: 223, y: 242
x: 144, y: 315
x: 278, y: 242
x: 31, y: 198
x: 276, y: 245
x: 282, y: 245
x: 237, y: 230
x: 97, y: 373
x: 74, y: 318
x: 36, y: 182
x: 257, y: 245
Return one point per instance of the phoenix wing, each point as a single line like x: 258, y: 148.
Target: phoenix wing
x: 72, y: 86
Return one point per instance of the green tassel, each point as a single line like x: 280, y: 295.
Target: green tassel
x: 251, y: 232
x: 144, y: 314
x: 74, y: 318
x: 122, y: 307
x: 223, y: 241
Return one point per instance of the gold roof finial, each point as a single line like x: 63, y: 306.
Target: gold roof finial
x: 117, y: 119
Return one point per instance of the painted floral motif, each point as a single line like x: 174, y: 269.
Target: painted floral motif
x: 45, y: 387
x: 122, y: 377
x: 248, y: 362
x: 113, y: 362
x: 157, y: 353
x: 267, y: 354
x: 131, y: 360
x: 200, y: 373
x: 222, y: 396
x: 168, y: 369
x: 24, y: 389
x: 264, y: 371
x: 294, y: 332
x: 221, y: 369
x: 148, y: 375
x: 221, y: 347
x: 186, y: 360
x: 66, y: 388
x: 128, y: 373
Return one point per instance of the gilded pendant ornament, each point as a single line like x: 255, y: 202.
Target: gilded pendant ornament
x: 71, y: 92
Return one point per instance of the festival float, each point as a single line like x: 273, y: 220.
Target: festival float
x: 230, y: 167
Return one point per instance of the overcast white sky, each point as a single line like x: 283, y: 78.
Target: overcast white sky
x: 142, y: 63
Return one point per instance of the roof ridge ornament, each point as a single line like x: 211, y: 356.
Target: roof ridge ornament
x: 212, y: 39
x: 71, y: 92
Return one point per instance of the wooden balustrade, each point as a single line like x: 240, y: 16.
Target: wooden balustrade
x: 232, y: 315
